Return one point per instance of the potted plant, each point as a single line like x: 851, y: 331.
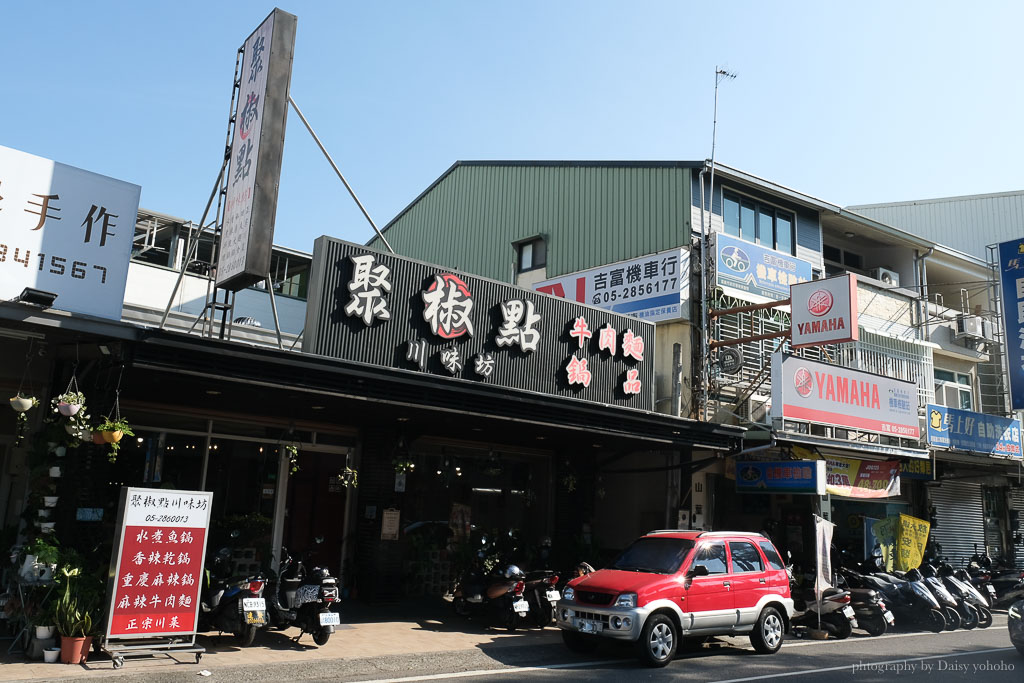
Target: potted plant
x: 113, y: 429
x: 73, y: 616
x: 21, y: 405
x: 293, y: 458
x: 70, y: 403
x: 349, y: 477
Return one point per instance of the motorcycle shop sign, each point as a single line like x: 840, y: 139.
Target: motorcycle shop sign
x: 66, y: 231
x: 824, y: 311
x: 963, y: 430
x: 828, y: 394
x: 754, y: 273
x: 784, y: 476
x: 158, y: 563
x: 653, y: 287
x: 390, y: 311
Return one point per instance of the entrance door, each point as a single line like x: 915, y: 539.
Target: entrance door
x: 709, y: 598
x: 315, y: 518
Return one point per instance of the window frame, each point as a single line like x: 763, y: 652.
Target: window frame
x: 757, y: 553
x: 532, y: 242
x: 962, y: 389
x: 708, y: 544
x: 758, y: 209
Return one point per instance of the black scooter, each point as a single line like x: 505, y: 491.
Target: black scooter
x: 297, y: 597
x: 872, y: 614
x: 231, y: 604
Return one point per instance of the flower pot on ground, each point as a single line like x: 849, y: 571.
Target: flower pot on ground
x: 43, y: 513
x: 60, y: 451
x: 51, y: 654
x: 74, y: 649
x: 55, y: 472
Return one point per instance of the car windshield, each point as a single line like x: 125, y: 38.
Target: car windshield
x: 654, y: 555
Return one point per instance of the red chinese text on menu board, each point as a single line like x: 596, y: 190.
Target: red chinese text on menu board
x: 160, y: 564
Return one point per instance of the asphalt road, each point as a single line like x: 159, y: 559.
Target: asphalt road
x: 979, y: 655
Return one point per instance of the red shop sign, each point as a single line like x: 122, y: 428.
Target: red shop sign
x: 158, y: 562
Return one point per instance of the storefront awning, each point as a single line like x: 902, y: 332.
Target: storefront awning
x: 851, y: 449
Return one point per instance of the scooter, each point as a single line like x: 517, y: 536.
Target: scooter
x: 500, y: 595
x: 872, y: 614
x: 303, y: 599
x: 909, y: 600
x: 958, y: 613
x: 833, y: 615
x: 231, y: 604
x: 542, y: 595
x: 965, y: 591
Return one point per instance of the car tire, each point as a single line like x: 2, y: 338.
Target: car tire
x: 659, y: 639
x: 768, y: 631
x: 579, y: 642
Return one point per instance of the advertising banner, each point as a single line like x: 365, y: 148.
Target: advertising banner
x: 903, y: 539
x: 158, y: 562
x: 257, y: 148
x: 654, y: 287
x: 754, y: 273
x: 1011, y: 278
x: 963, y: 430
x: 784, y: 476
x: 823, y: 555
x: 66, y: 231
x: 824, y: 311
x: 829, y: 394
x: 854, y: 478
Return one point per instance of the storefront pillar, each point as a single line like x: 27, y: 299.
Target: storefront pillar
x: 280, y: 506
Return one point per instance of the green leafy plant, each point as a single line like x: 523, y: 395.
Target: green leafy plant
x: 349, y: 478
x: 47, y: 551
x: 18, y: 402
x: 110, y: 428
x: 76, y: 609
x: 77, y: 425
x: 293, y: 458
x: 403, y: 464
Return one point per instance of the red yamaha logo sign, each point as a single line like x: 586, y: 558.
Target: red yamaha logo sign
x: 803, y: 382
x: 820, y: 302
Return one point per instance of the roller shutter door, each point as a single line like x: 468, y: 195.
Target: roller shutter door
x: 1017, y: 503
x: 961, y: 520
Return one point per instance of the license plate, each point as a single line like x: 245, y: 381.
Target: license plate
x: 587, y: 626
x: 256, y: 617
x: 330, y: 619
x: 991, y: 590
x: 254, y: 604
x: 888, y: 616
x: 520, y: 607
x: 553, y: 596
x: 848, y: 611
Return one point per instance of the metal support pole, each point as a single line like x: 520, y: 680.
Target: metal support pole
x: 280, y: 505
x: 273, y: 307
x: 338, y: 171
x: 206, y: 454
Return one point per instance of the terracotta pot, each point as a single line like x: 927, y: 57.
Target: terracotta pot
x: 68, y: 409
x: 98, y: 438
x: 112, y: 437
x: 74, y: 650
x: 20, y: 405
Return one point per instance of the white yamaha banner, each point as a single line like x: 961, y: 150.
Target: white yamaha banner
x: 67, y: 231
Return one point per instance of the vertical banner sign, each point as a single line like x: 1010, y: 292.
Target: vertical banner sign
x: 158, y: 562
x: 66, y: 231
x: 824, y: 311
x: 1011, y: 276
x: 257, y: 146
x: 822, y: 551
x: 912, y: 539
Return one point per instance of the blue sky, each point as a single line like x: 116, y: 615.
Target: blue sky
x: 850, y: 102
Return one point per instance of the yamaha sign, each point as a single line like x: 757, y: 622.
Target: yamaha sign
x: 824, y: 311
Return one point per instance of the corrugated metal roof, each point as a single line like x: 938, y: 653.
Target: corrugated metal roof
x: 967, y: 223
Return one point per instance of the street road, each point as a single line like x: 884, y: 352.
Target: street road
x: 979, y: 655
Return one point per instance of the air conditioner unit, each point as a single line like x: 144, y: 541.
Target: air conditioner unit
x: 969, y: 327
x: 889, y: 277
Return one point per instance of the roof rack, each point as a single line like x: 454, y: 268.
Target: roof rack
x: 672, y: 531
x: 702, y: 534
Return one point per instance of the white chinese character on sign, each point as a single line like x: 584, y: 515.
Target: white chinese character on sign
x: 632, y: 383
x: 169, y: 601
x: 451, y: 361
x: 183, y: 558
x: 147, y: 623
x: 172, y: 537
x: 159, y: 580
x: 158, y: 536
x: 154, y: 600
x: 607, y: 339
x: 577, y: 372
x: 581, y: 331
x: 174, y: 623
x: 169, y: 558
x: 448, y: 305
x: 124, y: 603
x: 131, y: 625
x: 154, y: 557
x: 138, y: 558
x: 368, y: 285
x: 184, y: 600
x: 511, y: 332
x: 632, y: 345
x: 187, y: 580
x: 416, y: 351
x: 127, y: 578
x: 483, y: 364
x: 141, y: 536
x: 143, y: 579
x: 173, y: 580
x: 140, y: 601
x: 186, y: 537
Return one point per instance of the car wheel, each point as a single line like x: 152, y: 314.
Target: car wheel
x: 767, y: 634
x: 579, y: 642
x: 984, y: 617
x: 658, y: 641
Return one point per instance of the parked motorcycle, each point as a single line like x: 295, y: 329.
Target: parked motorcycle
x: 1015, y: 624
x: 964, y: 590
x: 958, y: 613
x: 868, y: 605
x: 833, y: 614
x: 909, y: 601
x: 297, y: 597
x: 541, y: 592
x: 231, y: 604
x: 499, y: 595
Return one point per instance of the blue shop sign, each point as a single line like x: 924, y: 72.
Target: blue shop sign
x: 1011, y: 276
x: 784, y: 476
x: 756, y: 272
x: 962, y: 430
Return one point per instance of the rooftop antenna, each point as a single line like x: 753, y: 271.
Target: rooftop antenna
x: 720, y: 75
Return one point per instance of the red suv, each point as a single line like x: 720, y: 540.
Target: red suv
x: 671, y: 585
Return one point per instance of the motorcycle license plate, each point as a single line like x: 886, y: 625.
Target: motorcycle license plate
x: 587, y: 626
x: 889, y: 618
x: 991, y: 590
x: 254, y: 611
x: 520, y: 607
x: 553, y: 596
x: 848, y: 611
x: 330, y: 619
x: 249, y: 604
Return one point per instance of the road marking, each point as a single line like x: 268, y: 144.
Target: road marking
x: 494, y: 672
x: 787, y: 674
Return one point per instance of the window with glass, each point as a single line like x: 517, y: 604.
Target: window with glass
x: 760, y: 223
x: 712, y: 556
x: 655, y: 555
x: 954, y: 389
x: 745, y: 557
x: 531, y: 254
x: 774, y: 561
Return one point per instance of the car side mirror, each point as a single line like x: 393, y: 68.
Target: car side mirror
x: 698, y: 570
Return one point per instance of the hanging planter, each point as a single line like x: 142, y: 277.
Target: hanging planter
x: 71, y: 405
x: 349, y: 478
x: 50, y: 501
x: 21, y: 405
x: 97, y: 438
x: 293, y: 458
x: 403, y: 465
x: 111, y: 431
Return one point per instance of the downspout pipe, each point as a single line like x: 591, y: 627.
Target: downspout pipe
x: 921, y: 275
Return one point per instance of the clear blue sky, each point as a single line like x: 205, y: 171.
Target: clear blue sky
x: 853, y: 102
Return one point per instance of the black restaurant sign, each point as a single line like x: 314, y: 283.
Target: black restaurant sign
x: 386, y: 310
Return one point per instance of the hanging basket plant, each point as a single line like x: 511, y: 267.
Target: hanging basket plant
x: 403, y: 464
x: 293, y: 458
x: 21, y: 405
x: 112, y: 431
x: 349, y: 478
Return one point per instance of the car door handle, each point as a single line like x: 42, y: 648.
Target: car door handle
x: 760, y: 580
x: 726, y: 584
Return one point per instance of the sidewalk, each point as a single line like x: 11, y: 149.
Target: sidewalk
x: 366, y: 632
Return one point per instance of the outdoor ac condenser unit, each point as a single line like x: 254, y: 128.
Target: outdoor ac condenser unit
x: 969, y: 327
x: 889, y: 277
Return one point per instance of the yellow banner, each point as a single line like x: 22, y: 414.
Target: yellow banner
x: 885, y: 532
x: 913, y: 537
